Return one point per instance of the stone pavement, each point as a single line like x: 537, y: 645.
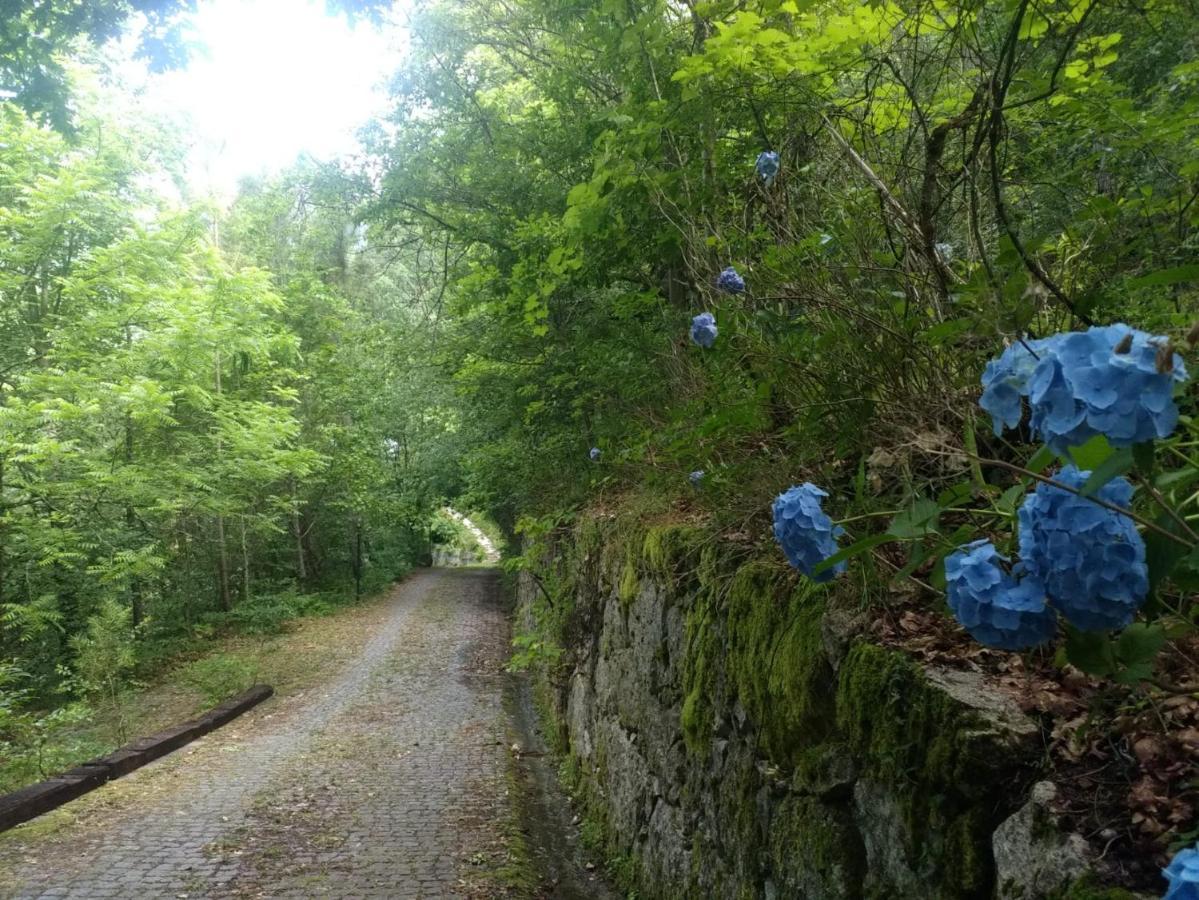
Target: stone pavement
x: 393, y: 783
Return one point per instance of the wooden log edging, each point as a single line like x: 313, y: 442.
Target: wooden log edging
x: 28, y: 802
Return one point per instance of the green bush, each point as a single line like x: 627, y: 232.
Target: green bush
x: 219, y: 676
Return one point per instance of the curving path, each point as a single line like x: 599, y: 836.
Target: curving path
x: 393, y: 782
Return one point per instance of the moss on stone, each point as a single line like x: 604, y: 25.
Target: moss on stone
x: 816, y: 849
x: 824, y: 770
x: 673, y: 551
x: 700, y: 669
x: 775, y: 659
x: 1088, y: 888
x: 630, y: 581
x: 935, y: 757
x: 966, y: 859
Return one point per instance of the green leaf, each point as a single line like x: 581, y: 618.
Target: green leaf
x: 955, y: 493
x: 1136, y: 650
x: 1040, y: 461
x: 1091, y: 454
x: 1166, y: 276
x: 1185, y: 572
x: 855, y: 549
x: 1007, y: 503
x: 1178, y: 479
x: 1090, y: 652
x: 1144, y: 455
x: 1162, y: 553
x: 916, y: 521
x: 1116, y: 464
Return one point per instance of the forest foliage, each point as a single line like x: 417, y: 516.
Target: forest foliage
x: 698, y: 253
x: 208, y: 417
x: 201, y: 406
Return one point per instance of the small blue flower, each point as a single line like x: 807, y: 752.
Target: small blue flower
x: 595, y: 454
x: 995, y: 607
x: 696, y: 477
x: 768, y: 166
x: 703, y: 330
x: 1111, y: 380
x: 730, y: 281
x: 806, y: 534
x: 1183, y: 875
x: 1091, y: 559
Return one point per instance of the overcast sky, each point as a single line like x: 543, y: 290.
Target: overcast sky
x: 271, y: 80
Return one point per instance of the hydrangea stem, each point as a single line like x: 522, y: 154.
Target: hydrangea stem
x: 1141, y: 520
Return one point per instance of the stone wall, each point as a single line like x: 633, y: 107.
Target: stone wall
x: 733, y: 735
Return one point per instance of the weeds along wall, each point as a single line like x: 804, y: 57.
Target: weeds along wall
x: 732, y: 735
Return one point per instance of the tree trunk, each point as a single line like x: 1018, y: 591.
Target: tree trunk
x: 222, y: 566
x: 357, y: 559
x: 223, y: 553
x: 3, y: 561
x: 135, y: 588
x: 297, y: 530
x: 245, y: 564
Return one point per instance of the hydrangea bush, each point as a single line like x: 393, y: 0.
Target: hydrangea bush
x: 703, y: 330
x: 996, y: 607
x: 1183, y: 875
x: 1082, y: 554
x: 730, y: 282
x: 806, y: 534
x: 1091, y: 559
x: 1112, y: 380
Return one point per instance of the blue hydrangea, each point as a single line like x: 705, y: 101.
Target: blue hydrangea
x: 696, y: 477
x: 703, y: 330
x: 1111, y: 380
x: 1183, y: 875
x: 730, y: 281
x: 1005, y: 380
x: 595, y: 454
x: 996, y: 607
x: 768, y: 166
x: 806, y: 534
x: 1091, y: 559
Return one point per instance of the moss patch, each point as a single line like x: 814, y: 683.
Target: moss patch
x: 816, y: 849
x: 941, y: 762
x: 776, y: 661
x: 700, y: 670
x: 673, y: 551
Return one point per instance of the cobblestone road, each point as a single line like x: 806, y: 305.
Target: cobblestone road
x: 391, y: 783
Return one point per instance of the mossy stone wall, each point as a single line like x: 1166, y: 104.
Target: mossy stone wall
x: 732, y: 735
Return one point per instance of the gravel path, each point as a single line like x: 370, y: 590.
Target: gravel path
x: 391, y: 783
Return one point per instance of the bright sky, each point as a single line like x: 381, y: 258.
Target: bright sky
x: 274, y: 79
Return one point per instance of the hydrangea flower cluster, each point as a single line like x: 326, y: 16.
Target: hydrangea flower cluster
x: 703, y: 330
x: 806, y: 534
x: 730, y: 281
x: 1111, y: 380
x: 595, y: 454
x: 696, y: 477
x: 997, y: 608
x: 1183, y: 875
x: 1091, y: 559
x: 768, y: 166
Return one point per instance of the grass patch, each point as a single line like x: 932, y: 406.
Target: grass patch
x: 301, y: 655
